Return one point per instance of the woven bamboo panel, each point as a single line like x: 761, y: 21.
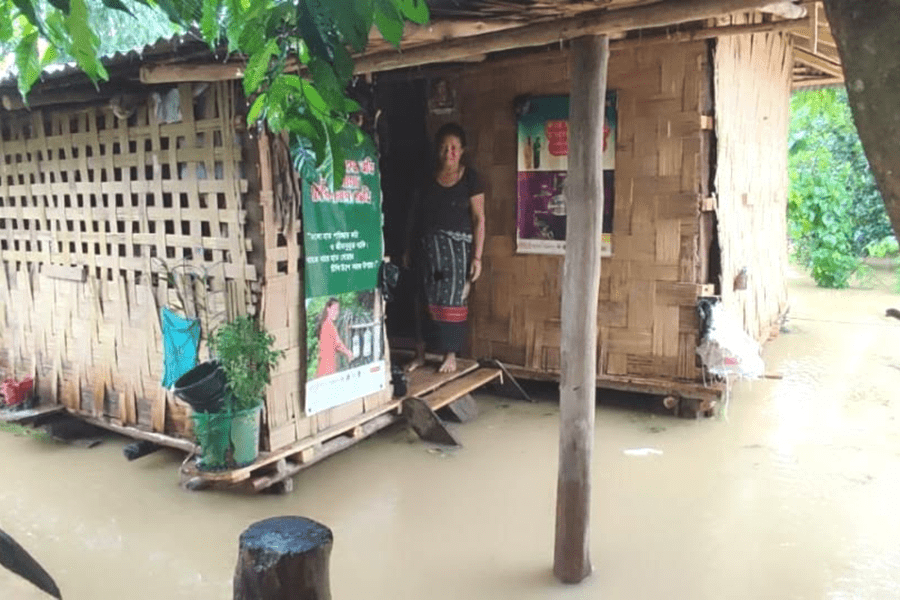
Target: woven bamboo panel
x: 649, y: 286
x: 753, y: 86
x: 284, y: 315
x: 92, y: 206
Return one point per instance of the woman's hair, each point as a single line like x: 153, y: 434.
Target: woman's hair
x: 448, y: 129
x: 324, y: 314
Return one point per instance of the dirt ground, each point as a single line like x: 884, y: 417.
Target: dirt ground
x: 791, y: 494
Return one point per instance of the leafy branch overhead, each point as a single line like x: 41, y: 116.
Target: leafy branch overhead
x: 298, y: 55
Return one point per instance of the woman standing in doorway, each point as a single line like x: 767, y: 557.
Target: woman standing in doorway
x: 329, y: 341
x: 448, y: 222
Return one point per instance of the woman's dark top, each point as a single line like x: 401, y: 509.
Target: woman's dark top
x: 448, y: 208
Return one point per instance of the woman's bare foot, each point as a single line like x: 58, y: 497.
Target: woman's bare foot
x: 449, y: 364
x: 415, y: 363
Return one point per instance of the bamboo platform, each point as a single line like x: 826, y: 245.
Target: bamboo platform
x: 276, y: 468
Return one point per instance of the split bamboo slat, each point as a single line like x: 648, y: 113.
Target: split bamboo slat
x: 753, y: 86
x: 93, y: 202
x: 649, y: 287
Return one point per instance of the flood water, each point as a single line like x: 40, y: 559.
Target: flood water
x: 793, y: 494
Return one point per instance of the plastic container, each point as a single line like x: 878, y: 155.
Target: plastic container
x: 245, y: 435
x: 213, y: 432
x: 15, y: 392
x: 203, y: 387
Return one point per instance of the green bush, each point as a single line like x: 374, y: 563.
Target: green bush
x: 835, y: 212
x: 245, y: 351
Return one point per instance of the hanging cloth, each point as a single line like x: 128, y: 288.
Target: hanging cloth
x: 181, y: 341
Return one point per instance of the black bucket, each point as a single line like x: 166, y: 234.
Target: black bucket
x: 399, y: 381
x: 203, y: 387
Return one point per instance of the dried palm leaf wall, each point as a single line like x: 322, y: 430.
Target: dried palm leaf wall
x: 753, y: 86
x: 649, y: 287
x: 91, y: 207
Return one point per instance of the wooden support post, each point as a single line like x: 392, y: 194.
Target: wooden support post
x: 462, y: 410
x: 284, y: 558
x: 581, y: 287
x: 426, y: 423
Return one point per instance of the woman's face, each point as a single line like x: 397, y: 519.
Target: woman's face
x: 450, y: 151
x: 333, y: 311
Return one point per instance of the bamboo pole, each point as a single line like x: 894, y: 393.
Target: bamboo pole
x: 595, y: 22
x: 463, y: 48
x: 581, y: 286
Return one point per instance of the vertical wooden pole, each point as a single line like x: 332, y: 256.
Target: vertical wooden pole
x: 581, y: 285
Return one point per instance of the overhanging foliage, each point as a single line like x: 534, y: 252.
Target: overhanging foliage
x: 280, y: 38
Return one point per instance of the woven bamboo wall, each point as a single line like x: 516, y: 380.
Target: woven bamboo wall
x: 90, y: 204
x: 284, y: 315
x: 753, y: 86
x: 649, y: 287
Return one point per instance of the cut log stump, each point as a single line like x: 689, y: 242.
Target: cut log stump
x: 284, y: 558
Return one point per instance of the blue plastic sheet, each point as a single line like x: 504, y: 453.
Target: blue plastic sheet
x: 181, y: 340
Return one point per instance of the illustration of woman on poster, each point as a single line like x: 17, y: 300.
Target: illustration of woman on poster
x: 329, y: 341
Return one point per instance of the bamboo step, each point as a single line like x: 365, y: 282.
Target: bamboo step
x: 460, y: 386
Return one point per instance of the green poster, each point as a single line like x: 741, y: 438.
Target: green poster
x: 342, y: 229
x: 343, y: 244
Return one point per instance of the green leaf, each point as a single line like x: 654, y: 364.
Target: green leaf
x: 315, y: 99
x: 352, y: 19
x: 84, y: 41
x: 258, y: 66
x: 27, y: 9
x: 311, y: 30
x: 62, y: 5
x: 209, y: 21
x: 389, y: 21
x: 343, y: 64
x: 117, y: 5
x: 302, y: 51
x: 327, y: 83
x: 27, y: 62
x: 351, y: 106
x: 415, y: 10
x: 256, y: 108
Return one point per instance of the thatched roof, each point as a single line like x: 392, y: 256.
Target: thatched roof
x: 461, y: 29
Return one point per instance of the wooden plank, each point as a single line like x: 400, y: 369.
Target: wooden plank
x: 427, y: 379
x: 315, y: 454
x: 643, y: 385
x: 24, y: 416
x: 458, y: 388
x: 602, y: 21
x: 294, y: 450
x: 140, y: 434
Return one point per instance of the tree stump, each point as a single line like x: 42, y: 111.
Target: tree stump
x: 284, y: 558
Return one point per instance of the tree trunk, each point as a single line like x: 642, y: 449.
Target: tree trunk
x: 284, y: 558
x: 868, y: 37
x: 581, y: 286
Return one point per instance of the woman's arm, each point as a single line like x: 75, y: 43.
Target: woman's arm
x: 477, y: 209
x: 340, y: 347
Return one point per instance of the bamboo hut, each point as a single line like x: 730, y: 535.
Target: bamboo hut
x: 99, y: 189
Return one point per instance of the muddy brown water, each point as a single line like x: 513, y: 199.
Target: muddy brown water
x: 791, y: 495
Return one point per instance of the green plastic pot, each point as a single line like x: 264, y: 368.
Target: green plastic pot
x: 213, y: 435
x: 245, y: 435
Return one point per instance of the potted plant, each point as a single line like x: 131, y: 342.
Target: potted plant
x: 244, y: 350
